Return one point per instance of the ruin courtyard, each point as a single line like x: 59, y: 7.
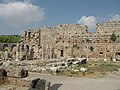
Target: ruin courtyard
x: 59, y: 44
x: 63, y: 57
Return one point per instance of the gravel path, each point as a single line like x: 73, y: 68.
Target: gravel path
x: 72, y: 83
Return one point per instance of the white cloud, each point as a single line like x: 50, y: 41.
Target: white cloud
x: 17, y: 14
x: 90, y: 21
x: 115, y: 18
x: 7, y: 1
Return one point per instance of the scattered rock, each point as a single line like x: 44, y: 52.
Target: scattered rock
x: 3, y: 73
x: 23, y: 73
x: 14, y: 70
x: 40, y: 85
x: 33, y: 83
x: 83, y: 69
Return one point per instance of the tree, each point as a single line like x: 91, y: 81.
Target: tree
x: 91, y: 48
x: 87, y: 44
x: 9, y: 38
x: 113, y: 39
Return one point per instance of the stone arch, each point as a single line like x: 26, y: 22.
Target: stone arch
x: 26, y: 52
x: 5, y: 46
x: 117, y: 54
x: 13, y: 48
x: 27, y: 48
x: 32, y: 52
x: 33, y: 46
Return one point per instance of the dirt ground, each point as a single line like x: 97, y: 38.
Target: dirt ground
x: 110, y: 82
x: 73, y: 83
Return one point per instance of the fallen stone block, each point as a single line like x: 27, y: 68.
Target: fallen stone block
x: 3, y: 73
x: 34, y: 82
x: 23, y: 73
x: 40, y: 85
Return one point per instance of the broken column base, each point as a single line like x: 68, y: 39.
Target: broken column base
x: 17, y: 60
x: 114, y: 60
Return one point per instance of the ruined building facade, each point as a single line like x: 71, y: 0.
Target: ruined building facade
x: 67, y: 40
x: 70, y: 40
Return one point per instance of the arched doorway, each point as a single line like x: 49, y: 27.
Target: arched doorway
x: 5, y: 47
x: 13, y: 52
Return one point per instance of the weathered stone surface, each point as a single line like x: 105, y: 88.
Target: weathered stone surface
x: 40, y: 85
x: 34, y: 82
x: 69, y: 40
x: 14, y: 70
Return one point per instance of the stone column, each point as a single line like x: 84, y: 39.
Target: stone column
x: 114, y: 60
x: 42, y: 52
x: 46, y: 52
x: 17, y: 52
x: 38, y: 52
x: 87, y: 52
x: 105, y: 58
x: 50, y: 51
x: 6, y: 55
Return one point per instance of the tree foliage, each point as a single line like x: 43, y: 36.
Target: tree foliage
x: 113, y: 37
x: 91, y: 48
x: 87, y: 40
x: 9, y: 38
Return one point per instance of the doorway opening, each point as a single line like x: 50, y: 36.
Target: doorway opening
x: 62, y: 52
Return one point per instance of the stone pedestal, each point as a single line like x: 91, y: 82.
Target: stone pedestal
x: 114, y: 60
x: 105, y: 59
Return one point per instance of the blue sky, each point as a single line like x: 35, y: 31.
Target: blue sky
x: 17, y: 16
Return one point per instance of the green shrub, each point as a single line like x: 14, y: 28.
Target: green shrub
x: 9, y: 38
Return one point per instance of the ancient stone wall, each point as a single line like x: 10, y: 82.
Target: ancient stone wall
x: 69, y: 40
x: 9, y: 49
x: 53, y: 42
x: 108, y: 27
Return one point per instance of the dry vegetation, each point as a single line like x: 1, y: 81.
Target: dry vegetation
x: 95, y: 69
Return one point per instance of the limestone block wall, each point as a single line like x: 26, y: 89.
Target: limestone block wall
x: 52, y: 41
x: 108, y: 27
x: 70, y: 40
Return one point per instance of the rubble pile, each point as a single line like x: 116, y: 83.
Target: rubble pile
x: 14, y: 70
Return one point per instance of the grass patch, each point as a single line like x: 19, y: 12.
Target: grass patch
x: 95, y: 70
x: 69, y: 73
x: 108, y: 67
